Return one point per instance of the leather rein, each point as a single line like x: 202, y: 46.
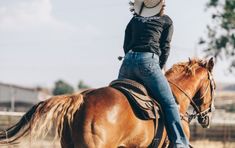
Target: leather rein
x: 189, y: 117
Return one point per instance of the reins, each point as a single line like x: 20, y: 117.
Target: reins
x: 188, y: 97
x: 196, y: 108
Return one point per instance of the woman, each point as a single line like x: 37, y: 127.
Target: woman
x: 146, y: 46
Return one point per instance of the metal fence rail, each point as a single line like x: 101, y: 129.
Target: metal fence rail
x: 7, y: 119
x: 12, y: 113
x: 217, y: 132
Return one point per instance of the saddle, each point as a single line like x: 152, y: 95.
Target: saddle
x: 143, y: 105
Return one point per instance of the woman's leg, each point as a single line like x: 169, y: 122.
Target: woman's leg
x: 128, y: 67
x: 151, y: 75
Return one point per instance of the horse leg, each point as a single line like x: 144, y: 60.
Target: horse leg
x: 99, y: 144
x: 186, y: 129
x: 95, y: 138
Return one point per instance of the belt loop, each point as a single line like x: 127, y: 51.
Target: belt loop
x: 153, y: 55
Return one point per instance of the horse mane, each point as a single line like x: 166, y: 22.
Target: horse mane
x: 188, y: 68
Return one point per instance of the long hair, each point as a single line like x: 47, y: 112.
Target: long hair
x: 42, y: 117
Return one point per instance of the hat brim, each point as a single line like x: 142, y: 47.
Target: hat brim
x: 146, y: 12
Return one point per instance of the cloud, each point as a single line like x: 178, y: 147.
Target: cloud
x: 35, y: 22
x: 29, y: 14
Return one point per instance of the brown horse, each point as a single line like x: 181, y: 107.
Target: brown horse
x: 103, y: 118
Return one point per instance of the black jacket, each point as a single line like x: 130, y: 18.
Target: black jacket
x: 149, y: 34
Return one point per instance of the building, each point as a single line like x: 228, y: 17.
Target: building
x: 18, y: 98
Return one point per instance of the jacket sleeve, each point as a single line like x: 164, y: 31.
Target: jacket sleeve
x: 165, y: 41
x: 127, y: 38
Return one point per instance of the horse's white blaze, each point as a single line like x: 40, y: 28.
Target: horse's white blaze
x: 112, y: 114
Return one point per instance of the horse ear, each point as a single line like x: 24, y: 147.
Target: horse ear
x: 210, y: 64
x: 190, y: 61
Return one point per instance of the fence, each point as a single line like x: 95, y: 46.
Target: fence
x: 222, y: 131
x: 217, y: 132
x: 8, y: 119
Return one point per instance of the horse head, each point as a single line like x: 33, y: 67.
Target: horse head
x: 204, y: 98
x: 192, y: 83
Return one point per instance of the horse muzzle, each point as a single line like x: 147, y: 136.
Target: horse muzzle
x: 204, y: 121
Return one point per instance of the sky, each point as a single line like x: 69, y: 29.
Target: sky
x: 45, y: 40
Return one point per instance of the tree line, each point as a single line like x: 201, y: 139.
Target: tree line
x: 220, y: 40
x: 61, y: 87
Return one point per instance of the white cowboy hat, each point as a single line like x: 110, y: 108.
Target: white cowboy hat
x: 147, y: 8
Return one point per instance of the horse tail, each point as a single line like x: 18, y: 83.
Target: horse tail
x: 40, y: 119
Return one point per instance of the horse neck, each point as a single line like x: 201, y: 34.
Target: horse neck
x: 184, y: 88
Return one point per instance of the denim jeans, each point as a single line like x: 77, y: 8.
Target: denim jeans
x: 144, y: 67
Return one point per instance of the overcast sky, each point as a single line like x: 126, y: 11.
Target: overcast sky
x: 45, y: 40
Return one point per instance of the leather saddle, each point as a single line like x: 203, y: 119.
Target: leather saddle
x: 143, y: 105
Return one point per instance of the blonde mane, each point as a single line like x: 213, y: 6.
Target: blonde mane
x: 187, y: 68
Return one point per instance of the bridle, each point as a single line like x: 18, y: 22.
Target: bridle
x: 197, y: 111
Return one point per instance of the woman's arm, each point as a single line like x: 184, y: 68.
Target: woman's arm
x: 165, y: 41
x: 127, y: 38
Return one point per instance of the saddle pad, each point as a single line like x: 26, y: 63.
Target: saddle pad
x: 144, y: 107
x: 127, y: 83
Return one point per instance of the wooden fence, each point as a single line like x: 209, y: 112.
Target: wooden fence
x: 9, y: 118
x: 217, y: 132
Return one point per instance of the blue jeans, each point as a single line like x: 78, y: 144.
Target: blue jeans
x: 144, y: 67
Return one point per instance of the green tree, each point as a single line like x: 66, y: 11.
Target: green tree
x: 62, y: 87
x: 82, y: 85
x: 220, y: 41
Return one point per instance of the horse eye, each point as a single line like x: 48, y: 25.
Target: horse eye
x: 199, y: 101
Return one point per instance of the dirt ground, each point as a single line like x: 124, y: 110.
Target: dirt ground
x: 50, y: 144
x: 35, y: 144
x: 212, y: 144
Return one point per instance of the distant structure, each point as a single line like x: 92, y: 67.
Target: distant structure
x: 17, y: 98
